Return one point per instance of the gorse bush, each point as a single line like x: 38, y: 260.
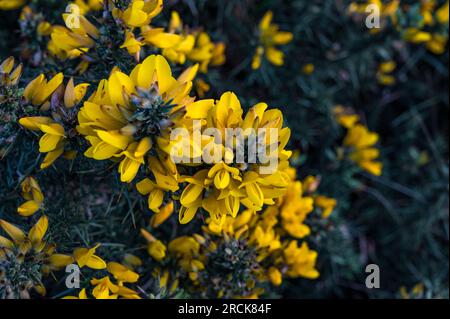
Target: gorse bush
x: 223, y: 149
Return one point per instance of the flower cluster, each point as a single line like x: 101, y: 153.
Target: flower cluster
x: 112, y: 285
x: 96, y: 32
x: 105, y: 130
x: 11, y: 4
x: 432, y: 29
x: 230, y: 182
x: 239, y: 256
x: 425, y: 22
x: 247, y: 189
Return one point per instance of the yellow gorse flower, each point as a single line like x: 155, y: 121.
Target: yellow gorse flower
x: 139, y: 13
x: 39, y: 91
x: 345, y: 116
x: 122, y: 273
x: 360, y: 141
x: 300, y: 261
x: 129, y: 115
x: 327, y: 205
x: 274, y: 231
x: 74, y: 39
x: 427, y: 32
x: 105, y: 288
x: 226, y: 184
x: 185, y: 44
x: 442, y: 14
x: 155, y: 247
x: 294, y: 209
x: 269, y: 38
x: 179, y: 44
x: 87, y: 257
x: 11, y: 4
x: 268, y: 234
x: 33, y: 194
x: 56, y: 127
x: 81, y: 38
x: 9, y: 75
x: 206, y: 52
x: 430, y: 31
x: 112, y: 285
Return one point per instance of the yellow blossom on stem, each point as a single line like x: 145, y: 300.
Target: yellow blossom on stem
x: 9, y: 75
x: 269, y: 38
x: 221, y: 188
x: 11, y: 4
x: 345, y: 117
x: 275, y: 276
x: 33, y: 194
x: 39, y: 92
x: 294, y: 209
x: 139, y: 12
x: 86, y: 257
x: 361, y: 142
x: 155, y: 247
x: 129, y: 115
x: 121, y: 273
x: 206, y: 52
x: 300, y: 261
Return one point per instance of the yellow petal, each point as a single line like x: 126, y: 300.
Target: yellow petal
x: 37, y: 232
x: 155, y: 200
x: 128, y: 170
x: 145, y: 186
x: 143, y: 73
x: 118, y: 85
x: 275, y: 56
x: 164, y: 213
x: 16, y: 234
x: 143, y: 147
x: 74, y: 94
x: 189, y: 74
x: 52, y: 128
x: 7, y: 65
x: 28, y: 208
x: 191, y: 194
x: 47, y: 90
x: 187, y: 214
x: 164, y: 74
x: 59, y: 260
x: 31, y: 88
x: 48, y: 143
x: 95, y: 262
x: 114, y: 138
x: 51, y: 157
x: 283, y: 38
x: 34, y: 122
x: 5, y: 243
